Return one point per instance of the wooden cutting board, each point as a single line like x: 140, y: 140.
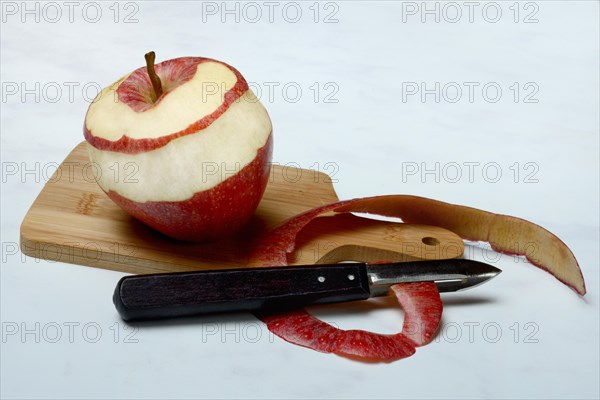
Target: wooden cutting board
x: 73, y: 221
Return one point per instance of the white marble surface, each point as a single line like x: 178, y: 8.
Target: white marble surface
x: 369, y: 55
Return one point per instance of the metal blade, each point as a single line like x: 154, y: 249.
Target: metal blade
x: 449, y: 275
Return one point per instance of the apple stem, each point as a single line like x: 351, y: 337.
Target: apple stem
x: 152, y: 74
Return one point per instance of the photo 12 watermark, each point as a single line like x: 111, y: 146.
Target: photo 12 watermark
x: 74, y: 252
x: 470, y: 12
x: 50, y: 92
x: 68, y: 332
x: 68, y: 171
x: 489, y: 332
x: 55, y: 12
x: 470, y: 92
x: 253, y: 12
x: 278, y: 91
x: 525, y: 172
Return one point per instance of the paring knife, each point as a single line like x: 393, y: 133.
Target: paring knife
x: 179, y: 294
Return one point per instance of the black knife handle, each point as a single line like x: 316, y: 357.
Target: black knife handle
x: 247, y: 289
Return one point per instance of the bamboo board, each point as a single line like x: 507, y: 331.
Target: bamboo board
x: 73, y: 221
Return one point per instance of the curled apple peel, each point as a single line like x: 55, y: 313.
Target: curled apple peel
x: 421, y: 301
x: 506, y: 234
x: 423, y: 311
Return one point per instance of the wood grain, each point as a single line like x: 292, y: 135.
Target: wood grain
x: 73, y: 221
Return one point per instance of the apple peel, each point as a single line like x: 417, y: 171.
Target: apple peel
x: 179, y: 220
x: 421, y: 301
x: 128, y: 93
x: 505, y: 234
x: 423, y: 308
x: 193, y: 142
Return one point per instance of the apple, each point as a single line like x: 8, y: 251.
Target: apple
x: 183, y: 146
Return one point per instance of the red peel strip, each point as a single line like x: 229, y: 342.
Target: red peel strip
x: 271, y: 250
x: 423, y: 307
x: 506, y: 234
x: 423, y: 310
x: 128, y: 145
x: 420, y: 301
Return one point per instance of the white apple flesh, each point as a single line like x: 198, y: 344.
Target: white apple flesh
x: 199, y: 155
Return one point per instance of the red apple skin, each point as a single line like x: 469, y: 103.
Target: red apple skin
x: 211, y: 214
x: 135, y: 90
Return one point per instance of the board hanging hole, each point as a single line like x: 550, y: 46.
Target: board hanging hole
x: 430, y: 241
